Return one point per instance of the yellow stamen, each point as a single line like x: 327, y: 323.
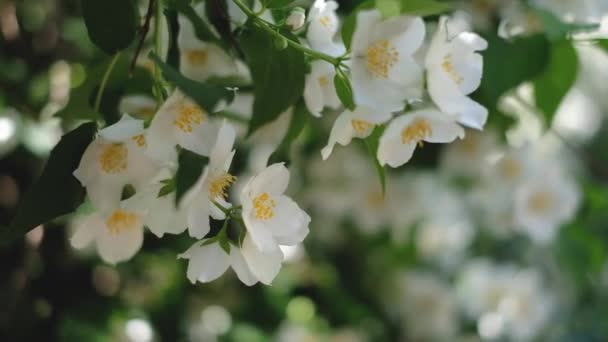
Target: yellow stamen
x: 113, y: 158
x: 540, y: 201
x: 146, y: 112
x: 448, y: 66
x: 219, y: 185
x: 361, y: 126
x: 264, y: 206
x: 381, y: 57
x: 415, y: 132
x: 140, y: 140
x: 323, y: 81
x: 325, y: 21
x: 121, y: 221
x: 197, y: 57
x: 510, y: 168
x: 188, y: 115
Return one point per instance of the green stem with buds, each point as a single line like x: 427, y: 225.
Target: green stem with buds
x: 104, y: 80
x: 266, y: 26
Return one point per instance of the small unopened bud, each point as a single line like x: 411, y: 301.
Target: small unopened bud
x: 296, y: 19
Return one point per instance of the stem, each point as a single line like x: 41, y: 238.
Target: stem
x: 104, y: 81
x: 143, y: 33
x: 158, y: 82
x: 226, y: 211
x: 263, y: 24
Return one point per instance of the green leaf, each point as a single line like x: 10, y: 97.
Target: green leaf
x: 527, y: 57
x: 344, y: 89
x: 202, y: 30
x: 555, y: 28
x: 603, y: 44
x: 168, y: 187
x: 424, y: 8
x: 350, y: 22
x: 111, y: 24
x: 277, y: 3
x: 299, y: 120
x: 557, y: 79
x: 278, y: 75
x: 389, y: 8
x: 371, y: 144
x: 189, y: 169
x: 217, y: 14
x: 205, y: 95
x: 57, y: 192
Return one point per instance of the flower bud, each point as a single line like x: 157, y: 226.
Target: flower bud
x: 296, y: 19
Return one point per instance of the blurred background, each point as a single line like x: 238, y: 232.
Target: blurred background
x: 502, y: 236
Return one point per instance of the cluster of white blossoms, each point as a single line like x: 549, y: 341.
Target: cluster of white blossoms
x: 146, y: 159
x: 418, y: 87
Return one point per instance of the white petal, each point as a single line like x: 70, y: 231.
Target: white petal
x: 259, y: 233
x: 87, y: 229
x: 123, y: 130
x: 202, y: 137
x: 313, y: 95
x: 265, y: 266
x: 363, y: 35
x: 391, y: 150
x: 272, y: 180
x: 222, y: 150
x: 198, y: 217
x: 120, y: 246
x: 289, y: 225
x: 206, y: 263
x: 240, y: 267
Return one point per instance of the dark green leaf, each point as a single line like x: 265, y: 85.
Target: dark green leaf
x: 371, y: 144
x: 557, y: 79
x: 217, y: 14
x: 278, y: 75
x: 344, y: 89
x: 189, y: 169
x: 168, y: 187
x: 57, y: 192
x: 202, y: 30
x: 602, y: 43
x: 527, y: 57
x: 277, y: 3
x: 205, y: 95
x: 348, y: 27
x: 299, y: 120
x: 111, y: 24
x: 424, y: 8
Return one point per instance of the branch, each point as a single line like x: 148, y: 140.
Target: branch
x: 143, y: 31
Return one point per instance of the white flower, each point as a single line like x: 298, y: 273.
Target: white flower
x: 466, y: 157
x: 384, y: 71
x: 399, y: 141
x: 356, y: 124
x: 454, y: 70
x: 180, y: 121
x: 208, y: 262
x: 211, y: 186
x: 296, y: 19
x: 543, y: 203
x: 201, y: 60
x: 319, y: 90
x: 117, y: 234
x: 138, y: 106
x: 272, y: 218
x: 323, y: 26
x: 583, y: 11
x: 114, y: 159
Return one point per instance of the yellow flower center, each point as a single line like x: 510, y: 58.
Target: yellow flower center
x: 416, y: 131
x: 121, y: 221
x: 197, y: 57
x: 448, y: 67
x: 140, y: 140
x: 113, y: 158
x: 263, y: 206
x: 188, y: 115
x: 361, y: 126
x: 219, y: 185
x: 146, y: 112
x: 540, y: 202
x: 510, y: 168
x: 325, y: 21
x: 381, y: 57
x: 323, y: 81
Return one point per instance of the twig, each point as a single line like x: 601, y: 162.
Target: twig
x: 143, y: 31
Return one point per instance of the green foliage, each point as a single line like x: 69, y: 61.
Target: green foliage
x: 278, y: 75
x: 111, y: 24
x: 276, y: 3
x: 555, y: 28
x: 57, y: 192
x: 424, y: 7
x: 344, y: 89
x: 526, y: 58
x: 205, y: 95
x: 201, y: 27
x: 557, y: 79
x: 189, y: 169
x: 299, y: 120
x: 371, y: 144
